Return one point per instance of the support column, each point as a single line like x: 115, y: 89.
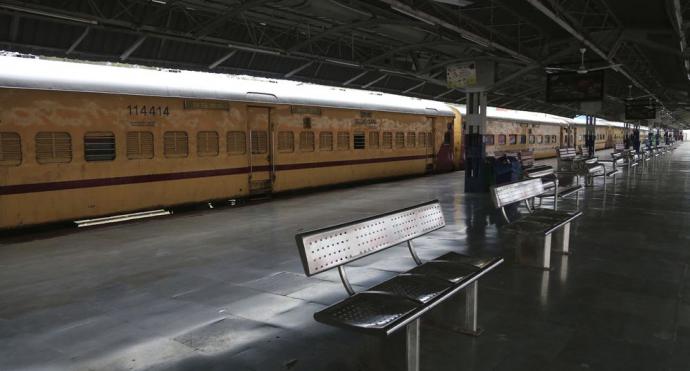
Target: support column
x: 475, y: 151
x: 590, y: 135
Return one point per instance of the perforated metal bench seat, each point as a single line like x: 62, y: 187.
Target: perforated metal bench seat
x: 390, y: 305
x: 400, y: 301
x: 542, y: 221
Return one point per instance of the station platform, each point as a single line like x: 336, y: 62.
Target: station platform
x: 224, y: 289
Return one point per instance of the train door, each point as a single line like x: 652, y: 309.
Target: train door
x: 260, y: 150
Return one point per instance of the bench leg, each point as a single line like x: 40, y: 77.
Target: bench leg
x: 560, y: 239
x: 533, y: 250
x: 470, y: 326
x: 413, y: 345
x: 546, y: 263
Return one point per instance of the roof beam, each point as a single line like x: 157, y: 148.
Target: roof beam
x: 222, y: 59
x: 298, y: 69
x: 677, y: 21
x: 572, y: 31
x: 465, y: 34
x: 374, y: 81
x: 14, y: 27
x: 355, y: 78
x: 216, y: 22
x: 133, y: 48
x: 78, y: 41
x: 414, y: 87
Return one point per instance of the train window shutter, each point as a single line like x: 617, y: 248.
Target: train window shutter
x: 399, y: 140
x: 421, y: 140
x: 326, y: 141
x: 387, y: 139
x: 359, y: 141
x: 306, y: 141
x: 139, y: 145
x: 343, y: 140
x: 237, y: 142
x: 53, y: 147
x: 175, y: 144
x: 411, y: 139
x: 99, y: 146
x: 10, y: 149
x: 373, y: 139
x: 286, y: 141
x: 207, y: 143
x: 429, y: 140
x: 259, y: 142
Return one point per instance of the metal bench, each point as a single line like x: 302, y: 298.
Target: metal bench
x: 527, y: 159
x: 569, y: 162
x: 399, y: 302
x: 538, y: 224
x: 567, y: 159
x: 551, y: 184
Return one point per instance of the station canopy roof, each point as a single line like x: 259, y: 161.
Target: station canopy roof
x: 393, y: 46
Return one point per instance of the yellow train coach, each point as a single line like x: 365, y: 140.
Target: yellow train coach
x: 86, y: 140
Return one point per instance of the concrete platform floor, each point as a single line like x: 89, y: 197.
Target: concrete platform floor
x: 223, y: 289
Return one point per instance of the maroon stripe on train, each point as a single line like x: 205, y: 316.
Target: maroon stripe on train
x: 348, y: 162
x: 89, y: 183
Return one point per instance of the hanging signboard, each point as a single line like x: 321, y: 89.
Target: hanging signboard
x: 574, y: 87
x: 640, y: 110
x: 461, y: 75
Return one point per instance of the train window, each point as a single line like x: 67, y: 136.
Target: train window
x: 359, y: 141
x: 429, y: 140
x: 532, y: 139
x: 286, y: 141
x: 387, y: 139
x: 306, y: 141
x: 523, y: 139
x: 343, y: 140
x: 99, y: 146
x: 421, y: 140
x: 237, y: 142
x: 53, y: 147
x: 547, y: 139
x: 259, y: 142
x: 326, y: 141
x: 411, y: 139
x: 489, y: 139
x: 553, y: 139
x: 373, y: 139
x: 175, y: 144
x: 512, y: 139
x: 540, y: 139
x: 139, y: 145
x: 501, y: 139
x: 399, y: 140
x: 207, y: 143
x: 10, y: 149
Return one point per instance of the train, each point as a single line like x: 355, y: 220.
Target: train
x: 87, y: 140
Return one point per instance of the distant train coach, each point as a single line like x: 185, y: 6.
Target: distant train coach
x: 80, y: 140
x: 86, y: 140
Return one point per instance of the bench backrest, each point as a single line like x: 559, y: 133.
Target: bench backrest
x: 566, y: 152
x: 506, y: 194
x: 527, y: 158
x: 330, y: 247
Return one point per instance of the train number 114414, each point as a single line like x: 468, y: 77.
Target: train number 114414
x: 148, y: 110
